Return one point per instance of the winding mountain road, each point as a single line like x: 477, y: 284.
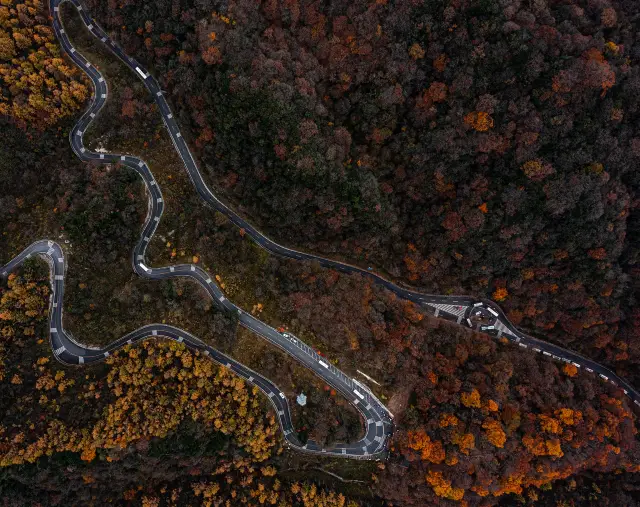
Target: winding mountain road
x: 377, y: 419
x: 456, y: 308
x: 481, y: 315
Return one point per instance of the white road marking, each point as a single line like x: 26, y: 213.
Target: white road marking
x: 178, y: 134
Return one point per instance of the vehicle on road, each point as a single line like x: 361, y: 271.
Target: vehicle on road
x: 68, y: 351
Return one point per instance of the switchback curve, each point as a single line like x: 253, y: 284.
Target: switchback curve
x: 378, y: 421
x: 459, y: 309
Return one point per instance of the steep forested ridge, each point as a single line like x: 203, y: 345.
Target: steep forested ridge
x: 480, y: 147
x: 461, y: 146
x: 476, y: 419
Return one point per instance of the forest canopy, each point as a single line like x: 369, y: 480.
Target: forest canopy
x: 484, y: 147
x: 463, y: 146
x: 37, y: 86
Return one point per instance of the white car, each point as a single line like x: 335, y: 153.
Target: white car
x: 282, y: 395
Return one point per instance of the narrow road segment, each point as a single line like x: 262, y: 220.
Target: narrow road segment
x: 479, y: 314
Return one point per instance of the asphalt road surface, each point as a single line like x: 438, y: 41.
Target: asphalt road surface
x: 377, y: 419
x: 481, y: 315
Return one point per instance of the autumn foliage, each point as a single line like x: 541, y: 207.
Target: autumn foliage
x: 37, y: 87
x: 479, y: 121
x: 152, y: 388
x: 22, y: 306
x: 519, y: 410
x: 500, y: 294
x: 471, y: 399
